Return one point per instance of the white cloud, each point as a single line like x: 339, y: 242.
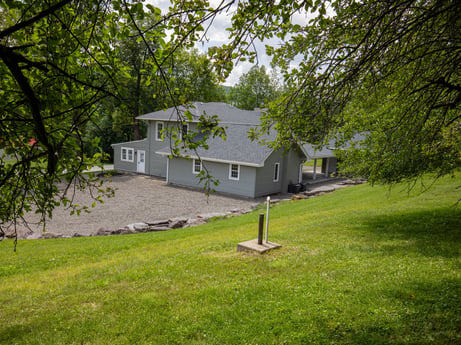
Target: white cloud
x: 237, y: 72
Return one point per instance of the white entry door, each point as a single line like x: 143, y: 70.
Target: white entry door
x: 141, y: 161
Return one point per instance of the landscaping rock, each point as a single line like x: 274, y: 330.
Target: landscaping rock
x: 158, y: 222
x: 126, y: 231
x: 116, y: 232
x: 176, y: 223
x: 211, y: 215
x: 22, y: 233
x: 80, y: 235
x: 352, y: 182
x: 138, y: 227
x: 158, y: 228
x: 50, y: 235
x: 103, y: 232
x: 194, y: 222
x: 237, y: 211
x: 34, y: 236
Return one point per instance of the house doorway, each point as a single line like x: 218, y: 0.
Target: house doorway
x: 141, y: 161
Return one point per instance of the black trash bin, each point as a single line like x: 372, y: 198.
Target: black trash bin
x: 303, y: 187
x: 294, y: 188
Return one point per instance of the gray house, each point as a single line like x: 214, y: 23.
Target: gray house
x: 243, y: 167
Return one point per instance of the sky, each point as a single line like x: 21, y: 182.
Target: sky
x: 217, y: 35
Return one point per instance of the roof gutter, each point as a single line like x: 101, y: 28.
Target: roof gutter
x: 215, y: 160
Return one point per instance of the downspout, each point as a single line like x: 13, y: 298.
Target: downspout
x: 315, y: 169
x: 167, y: 169
x: 149, y: 144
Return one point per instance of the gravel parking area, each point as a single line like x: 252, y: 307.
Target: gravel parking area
x: 139, y: 198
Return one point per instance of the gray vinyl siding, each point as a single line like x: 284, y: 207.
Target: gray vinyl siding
x: 157, y: 166
x: 158, y: 163
x: 192, y: 126
x: 265, y: 184
x: 292, y: 161
x: 129, y: 166
x: 180, y: 173
x: 288, y: 173
x: 245, y: 186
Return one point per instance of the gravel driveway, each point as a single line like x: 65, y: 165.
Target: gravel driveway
x: 140, y: 198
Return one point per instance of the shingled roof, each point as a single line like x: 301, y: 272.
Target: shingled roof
x: 313, y: 152
x: 237, y: 148
x: 227, y: 113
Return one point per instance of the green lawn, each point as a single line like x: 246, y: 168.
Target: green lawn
x: 359, y: 266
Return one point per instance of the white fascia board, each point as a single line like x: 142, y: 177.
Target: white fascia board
x: 163, y: 119
x: 215, y: 160
x: 268, y: 155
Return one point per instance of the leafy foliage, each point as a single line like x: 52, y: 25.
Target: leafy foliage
x: 192, y: 78
x: 56, y: 64
x: 386, y: 71
x: 63, y: 65
x: 255, y: 89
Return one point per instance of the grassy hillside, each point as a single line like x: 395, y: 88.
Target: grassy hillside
x: 363, y: 265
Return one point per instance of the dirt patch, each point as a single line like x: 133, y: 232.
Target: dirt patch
x: 139, y: 199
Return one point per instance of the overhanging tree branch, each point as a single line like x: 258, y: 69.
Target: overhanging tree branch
x: 34, y: 19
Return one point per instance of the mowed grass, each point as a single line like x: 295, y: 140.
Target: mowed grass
x: 362, y: 265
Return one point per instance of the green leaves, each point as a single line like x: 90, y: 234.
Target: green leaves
x: 385, y: 70
x: 255, y: 89
x: 57, y: 63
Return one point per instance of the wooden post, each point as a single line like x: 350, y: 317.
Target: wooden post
x: 261, y: 227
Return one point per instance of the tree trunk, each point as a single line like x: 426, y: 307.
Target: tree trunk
x: 136, y: 132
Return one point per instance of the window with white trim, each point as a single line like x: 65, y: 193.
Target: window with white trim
x: 159, y: 131
x: 234, y: 171
x: 276, y: 172
x: 127, y: 154
x: 196, y: 166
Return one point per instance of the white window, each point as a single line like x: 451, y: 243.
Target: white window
x: 234, y: 171
x: 196, y: 166
x: 159, y: 131
x: 127, y: 154
x: 276, y: 172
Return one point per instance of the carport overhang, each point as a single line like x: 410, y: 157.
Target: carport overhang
x: 311, y: 152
